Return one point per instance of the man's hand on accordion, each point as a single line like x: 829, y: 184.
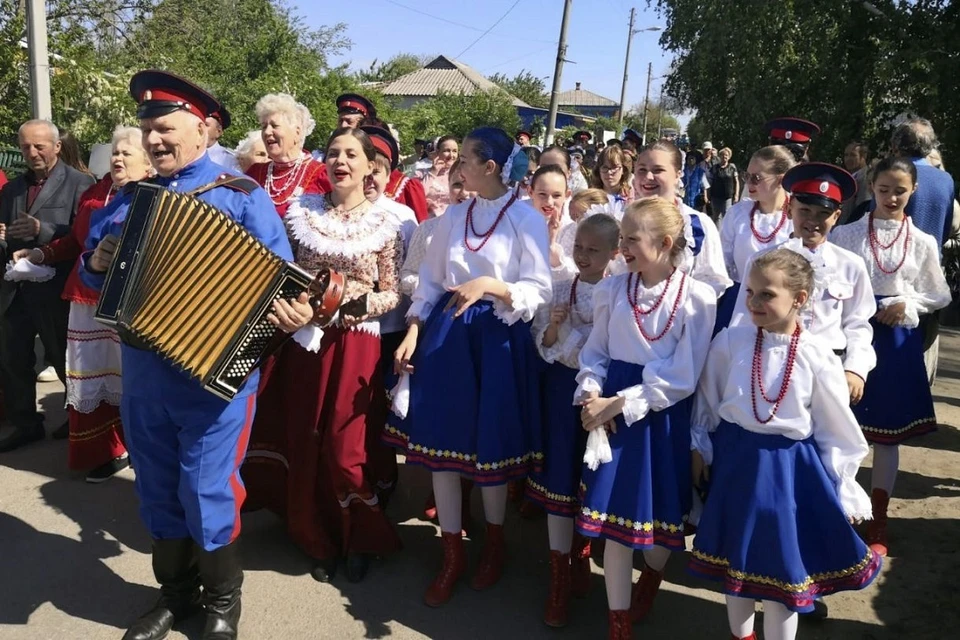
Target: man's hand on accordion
x: 103, y: 254
x: 291, y: 315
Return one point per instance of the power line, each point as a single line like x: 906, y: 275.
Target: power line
x: 470, y: 46
x: 526, y: 55
x: 459, y: 24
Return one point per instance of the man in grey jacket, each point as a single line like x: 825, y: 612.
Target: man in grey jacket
x: 35, y: 209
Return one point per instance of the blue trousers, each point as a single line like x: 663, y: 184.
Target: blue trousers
x: 187, y: 454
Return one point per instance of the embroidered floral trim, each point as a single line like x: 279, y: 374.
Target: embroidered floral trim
x: 557, y: 503
x: 483, y: 472
x: 887, y: 436
x: 398, y: 189
x: 314, y: 223
x: 813, y: 584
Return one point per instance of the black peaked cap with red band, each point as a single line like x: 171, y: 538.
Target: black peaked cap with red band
x: 355, y: 103
x: 791, y: 131
x: 582, y: 135
x: 159, y: 93
x: 522, y: 133
x: 385, y: 144
x: 222, y: 116
x: 820, y: 184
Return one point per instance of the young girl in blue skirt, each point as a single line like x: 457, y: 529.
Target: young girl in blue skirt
x: 773, y: 404
x: 474, y: 394
x: 560, y: 332
x: 904, y: 267
x: 638, y: 370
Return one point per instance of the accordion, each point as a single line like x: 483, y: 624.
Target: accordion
x: 194, y: 286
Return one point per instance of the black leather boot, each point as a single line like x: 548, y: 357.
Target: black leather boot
x: 222, y: 576
x: 175, y: 567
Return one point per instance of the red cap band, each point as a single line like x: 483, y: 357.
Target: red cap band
x: 823, y: 188
x: 351, y: 104
x: 383, y: 147
x: 166, y: 95
x: 789, y: 134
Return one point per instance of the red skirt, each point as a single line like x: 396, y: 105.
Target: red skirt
x: 315, y: 456
x: 96, y: 438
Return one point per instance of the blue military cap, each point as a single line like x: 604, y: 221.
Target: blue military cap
x: 158, y: 93
x: 820, y: 184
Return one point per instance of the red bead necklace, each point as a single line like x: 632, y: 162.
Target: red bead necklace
x: 876, y: 245
x: 468, y: 224
x: 573, y: 291
x: 773, y: 234
x: 757, y: 379
x: 638, y: 313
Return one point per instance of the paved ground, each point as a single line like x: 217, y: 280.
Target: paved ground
x: 74, y: 563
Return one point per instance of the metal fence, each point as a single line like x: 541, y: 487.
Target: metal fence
x: 11, y: 162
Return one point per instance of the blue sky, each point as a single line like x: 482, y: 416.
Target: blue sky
x: 525, y: 39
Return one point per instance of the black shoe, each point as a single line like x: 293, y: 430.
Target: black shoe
x: 62, y: 432
x: 22, y: 436
x: 357, y: 566
x: 324, y: 570
x: 820, y: 610
x: 174, y: 566
x: 222, y: 576
x: 106, y: 471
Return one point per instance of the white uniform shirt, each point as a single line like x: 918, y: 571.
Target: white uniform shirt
x: 672, y: 364
x: 516, y: 253
x: 410, y: 271
x: 707, y: 265
x: 840, y: 306
x: 737, y: 239
x: 223, y: 156
x: 404, y: 218
x: 817, y: 403
x: 573, y: 332
x: 919, y: 283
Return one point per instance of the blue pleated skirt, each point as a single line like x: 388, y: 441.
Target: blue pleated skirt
x: 474, y: 397
x: 772, y: 527
x: 643, y: 496
x: 897, y: 403
x: 556, y: 486
x: 726, y: 305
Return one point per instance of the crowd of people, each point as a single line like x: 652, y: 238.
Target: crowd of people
x: 568, y: 328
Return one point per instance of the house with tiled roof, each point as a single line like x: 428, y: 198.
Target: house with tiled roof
x: 447, y: 75
x: 588, y: 103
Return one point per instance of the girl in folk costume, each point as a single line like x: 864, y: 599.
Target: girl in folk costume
x: 773, y: 405
x: 326, y: 388
x: 484, y: 277
x: 658, y: 169
x: 904, y: 267
x: 291, y: 170
x: 586, y: 200
x: 612, y: 176
x: 555, y: 154
x: 841, y: 302
x: 93, y: 350
x: 761, y: 222
x: 638, y: 369
x: 550, y: 195
x: 436, y: 180
x: 560, y: 332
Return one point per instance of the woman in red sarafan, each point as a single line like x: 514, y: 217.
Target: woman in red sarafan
x: 93, y: 350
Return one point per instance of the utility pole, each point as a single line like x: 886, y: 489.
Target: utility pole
x: 39, y: 60
x: 557, y: 71
x: 646, y: 102
x: 626, y: 69
x: 660, y: 113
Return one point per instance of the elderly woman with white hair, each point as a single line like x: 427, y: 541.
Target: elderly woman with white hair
x: 290, y: 171
x: 93, y: 350
x: 251, y: 151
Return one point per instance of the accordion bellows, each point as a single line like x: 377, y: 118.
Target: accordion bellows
x: 191, y: 284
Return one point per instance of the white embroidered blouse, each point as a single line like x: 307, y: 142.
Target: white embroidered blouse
x: 672, y: 364
x: 919, y: 282
x: 573, y: 332
x: 515, y: 253
x: 737, y: 236
x: 817, y: 403
x: 364, y: 244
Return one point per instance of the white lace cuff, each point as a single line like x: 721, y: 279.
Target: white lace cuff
x: 911, y: 316
x: 420, y: 309
x: 635, y: 406
x: 700, y: 441
x: 523, y: 304
x: 589, y: 384
x: 309, y: 337
x: 854, y: 500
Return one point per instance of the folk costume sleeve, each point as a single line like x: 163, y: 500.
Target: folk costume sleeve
x: 388, y: 268
x: 860, y: 358
x: 706, y: 402
x: 534, y: 287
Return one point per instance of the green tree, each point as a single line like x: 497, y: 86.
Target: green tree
x: 658, y: 118
x: 524, y: 86
x: 396, y: 67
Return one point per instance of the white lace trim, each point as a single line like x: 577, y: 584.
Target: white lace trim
x: 400, y: 187
x: 356, y: 497
x: 311, y: 226
x: 90, y: 403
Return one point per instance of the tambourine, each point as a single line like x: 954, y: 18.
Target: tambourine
x: 326, y: 295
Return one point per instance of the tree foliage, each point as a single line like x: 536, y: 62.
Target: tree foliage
x: 396, y: 67
x: 525, y: 86
x: 852, y: 67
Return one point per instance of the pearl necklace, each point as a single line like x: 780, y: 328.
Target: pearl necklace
x: 757, y: 378
x: 876, y: 245
x: 773, y: 234
x: 638, y: 313
x: 468, y: 224
x: 291, y: 181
